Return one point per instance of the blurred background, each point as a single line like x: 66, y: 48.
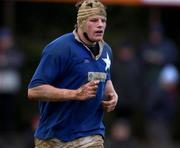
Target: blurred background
x: 145, y: 39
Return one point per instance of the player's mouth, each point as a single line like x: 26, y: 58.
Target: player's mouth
x: 99, y: 32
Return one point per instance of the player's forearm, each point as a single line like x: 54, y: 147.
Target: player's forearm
x: 109, y: 89
x: 50, y: 93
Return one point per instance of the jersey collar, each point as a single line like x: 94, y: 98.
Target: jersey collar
x: 101, y: 45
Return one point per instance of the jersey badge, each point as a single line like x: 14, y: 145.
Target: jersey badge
x: 107, y: 62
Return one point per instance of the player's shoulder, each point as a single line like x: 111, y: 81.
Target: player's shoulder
x: 60, y: 44
x: 107, y: 48
x: 62, y: 40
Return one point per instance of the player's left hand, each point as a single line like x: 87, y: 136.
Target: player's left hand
x: 110, y: 102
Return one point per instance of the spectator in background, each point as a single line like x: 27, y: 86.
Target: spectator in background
x: 120, y: 135
x: 10, y: 80
x: 126, y: 76
x: 160, y: 108
x: 156, y: 52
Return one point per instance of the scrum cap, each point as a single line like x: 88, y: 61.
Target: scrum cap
x: 89, y: 8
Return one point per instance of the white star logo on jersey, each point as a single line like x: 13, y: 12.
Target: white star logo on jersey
x: 107, y: 61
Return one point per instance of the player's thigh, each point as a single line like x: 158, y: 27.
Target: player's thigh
x: 95, y: 141
x: 52, y: 143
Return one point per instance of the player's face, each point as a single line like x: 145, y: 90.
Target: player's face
x: 95, y: 27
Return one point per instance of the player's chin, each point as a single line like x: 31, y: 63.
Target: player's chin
x: 98, y: 38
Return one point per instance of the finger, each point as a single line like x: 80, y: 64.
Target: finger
x: 112, y: 100
x: 110, y: 110
x: 92, y: 93
x: 90, y: 88
x: 91, y: 96
x: 94, y: 87
x: 105, y: 103
x: 107, y: 109
x: 109, y: 106
x: 94, y: 82
x: 108, y: 103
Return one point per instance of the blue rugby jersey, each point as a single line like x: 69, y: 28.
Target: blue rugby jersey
x: 67, y: 63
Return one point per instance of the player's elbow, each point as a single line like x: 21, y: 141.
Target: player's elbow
x: 30, y: 94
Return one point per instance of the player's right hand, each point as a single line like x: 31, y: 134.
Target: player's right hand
x: 87, y: 90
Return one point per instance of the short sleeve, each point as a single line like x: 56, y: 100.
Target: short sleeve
x: 51, y: 67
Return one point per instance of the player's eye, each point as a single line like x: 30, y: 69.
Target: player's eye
x: 94, y: 20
